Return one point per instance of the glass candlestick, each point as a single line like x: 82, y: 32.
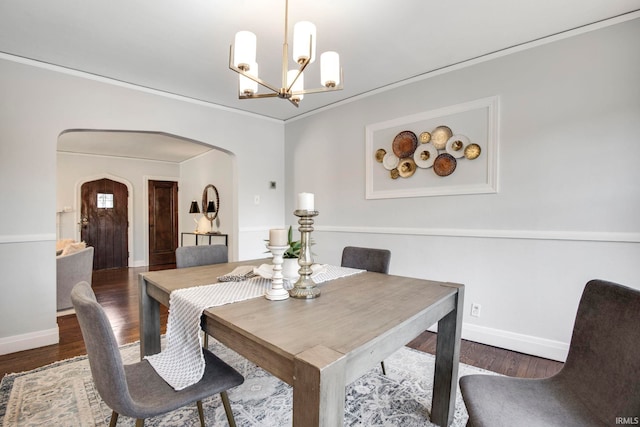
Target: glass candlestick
x: 277, y: 291
x: 305, y: 287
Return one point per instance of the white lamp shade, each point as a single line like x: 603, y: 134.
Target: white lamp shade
x: 330, y: 69
x: 304, y: 34
x: 244, y: 49
x: 248, y: 86
x: 298, y: 85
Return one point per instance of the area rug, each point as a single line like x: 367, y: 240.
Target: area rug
x: 63, y: 394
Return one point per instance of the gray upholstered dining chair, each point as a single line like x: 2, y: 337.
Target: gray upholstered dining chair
x: 136, y: 390
x: 375, y: 260
x: 370, y: 259
x: 599, y: 384
x: 193, y: 256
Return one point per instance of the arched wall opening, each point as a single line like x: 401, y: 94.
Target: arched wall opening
x: 85, y: 155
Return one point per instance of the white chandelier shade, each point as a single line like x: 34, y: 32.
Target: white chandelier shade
x: 304, y: 39
x: 330, y: 69
x: 245, y: 54
x: 242, y: 59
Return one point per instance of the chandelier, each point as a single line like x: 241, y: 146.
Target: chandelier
x: 242, y: 59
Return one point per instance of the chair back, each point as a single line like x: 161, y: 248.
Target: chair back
x: 603, y: 364
x: 193, y: 256
x: 105, y: 360
x: 375, y: 260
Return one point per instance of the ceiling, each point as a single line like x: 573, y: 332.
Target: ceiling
x: 182, y: 46
x: 132, y: 145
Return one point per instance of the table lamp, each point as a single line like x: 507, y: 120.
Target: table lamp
x: 194, y: 209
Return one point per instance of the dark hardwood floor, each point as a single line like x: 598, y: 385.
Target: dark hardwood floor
x: 117, y: 291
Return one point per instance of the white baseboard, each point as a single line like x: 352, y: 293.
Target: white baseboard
x: 528, y: 344
x: 28, y: 341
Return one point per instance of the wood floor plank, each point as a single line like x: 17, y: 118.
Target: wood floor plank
x: 117, y: 291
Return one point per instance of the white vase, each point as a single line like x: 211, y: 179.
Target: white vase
x: 290, y: 268
x: 204, y: 225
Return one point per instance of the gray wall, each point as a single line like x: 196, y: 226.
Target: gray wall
x: 38, y: 103
x: 568, y: 203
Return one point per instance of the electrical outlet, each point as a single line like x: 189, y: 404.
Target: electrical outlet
x: 475, y: 310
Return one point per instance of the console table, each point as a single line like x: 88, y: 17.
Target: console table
x: 209, y: 235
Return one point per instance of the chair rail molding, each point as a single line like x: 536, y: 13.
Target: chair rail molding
x: 583, y: 236
x: 25, y: 238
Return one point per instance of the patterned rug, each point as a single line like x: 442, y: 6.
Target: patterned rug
x: 63, y: 394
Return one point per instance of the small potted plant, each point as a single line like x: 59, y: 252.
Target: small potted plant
x: 290, y: 265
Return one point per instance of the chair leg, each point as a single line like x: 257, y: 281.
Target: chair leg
x: 206, y: 340
x: 114, y: 419
x: 384, y: 371
x: 227, y: 409
x: 200, y: 413
x: 140, y: 422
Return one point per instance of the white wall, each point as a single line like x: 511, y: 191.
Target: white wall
x: 217, y: 168
x: 568, y: 203
x: 38, y: 103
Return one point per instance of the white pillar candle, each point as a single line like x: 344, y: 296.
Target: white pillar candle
x: 278, y: 237
x: 305, y: 201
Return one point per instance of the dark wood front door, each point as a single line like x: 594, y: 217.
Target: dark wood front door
x: 104, y: 222
x: 163, y: 222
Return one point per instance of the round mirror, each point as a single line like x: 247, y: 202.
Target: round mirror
x: 210, y: 202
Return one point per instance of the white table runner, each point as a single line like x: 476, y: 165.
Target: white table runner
x: 181, y: 363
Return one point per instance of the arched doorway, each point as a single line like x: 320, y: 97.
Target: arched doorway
x: 135, y: 158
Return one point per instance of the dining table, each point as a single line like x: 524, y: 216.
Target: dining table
x: 319, y: 346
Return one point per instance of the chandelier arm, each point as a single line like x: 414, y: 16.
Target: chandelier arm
x: 258, y: 80
x: 318, y: 90
x: 285, y: 64
x: 258, y: 95
x: 302, y: 67
x: 285, y: 45
x: 294, y: 102
x: 324, y: 88
x: 249, y: 76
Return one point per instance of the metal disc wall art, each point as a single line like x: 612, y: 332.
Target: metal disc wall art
x: 440, y: 136
x: 407, y: 167
x: 436, y: 149
x: 445, y: 164
x: 472, y: 151
x: 404, y: 144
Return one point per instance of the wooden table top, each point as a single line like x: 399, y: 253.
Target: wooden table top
x: 351, y: 311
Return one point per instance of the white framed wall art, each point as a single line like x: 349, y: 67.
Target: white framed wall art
x: 448, y: 151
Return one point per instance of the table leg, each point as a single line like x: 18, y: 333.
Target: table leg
x: 446, y: 370
x: 319, y: 388
x: 149, y: 321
